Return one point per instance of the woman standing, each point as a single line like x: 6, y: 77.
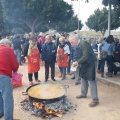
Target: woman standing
x: 63, y: 54
x: 107, y: 48
x: 32, y: 53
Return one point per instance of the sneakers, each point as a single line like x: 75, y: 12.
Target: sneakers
x: 53, y: 79
x: 37, y: 81
x: 73, y: 78
x: 80, y: 96
x: 93, y: 104
x: 31, y: 83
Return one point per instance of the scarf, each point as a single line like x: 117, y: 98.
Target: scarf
x: 31, y: 46
x: 61, y: 46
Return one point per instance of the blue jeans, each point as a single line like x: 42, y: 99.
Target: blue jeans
x: 63, y: 70
x: 102, y: 65
x: 110, y: 63
x: 99, y: 65
x: 93, y: 88
x: 6, y: 97
x: 18, y: 55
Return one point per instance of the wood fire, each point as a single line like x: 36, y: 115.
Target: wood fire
x: 41, y: 106
x: 47, y: 110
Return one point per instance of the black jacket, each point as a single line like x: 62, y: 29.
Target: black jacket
x: 49, y: 51
x: 87, y: 60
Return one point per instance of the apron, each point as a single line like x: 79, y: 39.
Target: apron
x: 62, y: 58
x: 34, y: 61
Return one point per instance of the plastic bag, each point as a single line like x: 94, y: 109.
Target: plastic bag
x: 16, y: 79
x: 73, y: 68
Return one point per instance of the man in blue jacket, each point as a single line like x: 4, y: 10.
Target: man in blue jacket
x: 49, y: 51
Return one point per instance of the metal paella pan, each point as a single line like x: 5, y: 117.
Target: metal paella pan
x: 46, y: 92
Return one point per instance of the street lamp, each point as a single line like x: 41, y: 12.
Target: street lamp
x: 109, y: 18
x: 78, y: 16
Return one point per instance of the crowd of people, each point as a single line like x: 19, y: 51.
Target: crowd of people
x: 67, y: 51
x: 109, y: 52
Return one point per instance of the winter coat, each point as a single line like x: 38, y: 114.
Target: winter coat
x: 49, y: 51
x: 8, y: 61
x: 86, y: 59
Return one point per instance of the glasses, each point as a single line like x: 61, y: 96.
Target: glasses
x: 34, y: 40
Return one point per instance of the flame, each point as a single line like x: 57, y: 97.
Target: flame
x: 38, y: 105
x: 41, y: 106
x: 50, y: 111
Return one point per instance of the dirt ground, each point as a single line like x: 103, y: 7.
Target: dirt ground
x: 108, y: 109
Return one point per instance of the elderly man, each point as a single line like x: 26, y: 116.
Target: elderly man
x: 8, y: 63
x: 86, y: 61
x: 49, y: 57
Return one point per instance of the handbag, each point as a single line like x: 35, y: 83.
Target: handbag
x: 103, y: 54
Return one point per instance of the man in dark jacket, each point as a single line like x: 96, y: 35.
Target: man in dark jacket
x: 49, y: 57
x: 86, y: 61
x: 17, y: 46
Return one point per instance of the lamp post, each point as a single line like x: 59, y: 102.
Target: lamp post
x: 109, y: 18
x: 78, y: 15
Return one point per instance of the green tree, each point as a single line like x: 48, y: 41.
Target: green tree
x: 113, y: 2
x: 69, y: 26
x: 99, y: 20
x: 116, y: 8
x: 66, y: 26
x: 35, y: 14
x: 1, y: 21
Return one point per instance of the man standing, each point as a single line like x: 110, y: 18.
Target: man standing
x: 17, y: 46
x: 49, y: 57
x: 86, y: 61
x: 8, y: 63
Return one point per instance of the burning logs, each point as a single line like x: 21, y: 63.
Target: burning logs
x: 48, y: 110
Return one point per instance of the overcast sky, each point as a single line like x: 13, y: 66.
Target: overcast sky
x: 85, y: 9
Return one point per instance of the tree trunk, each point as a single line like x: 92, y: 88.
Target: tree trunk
x: 33, y: 29
x: 31, y: 24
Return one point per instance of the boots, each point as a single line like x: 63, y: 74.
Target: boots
x: 98, y: 71
x: 60, y: 75
x: 63, y: 77
x: 102, y: 74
